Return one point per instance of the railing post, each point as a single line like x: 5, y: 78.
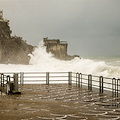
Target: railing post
x: 22, y: 78
x: 113, y: 87
x: 101, y: 84
x: 8, y: 84
x: 16, y: 82
x: 90, y: 82
x: 69, y: 78
x: 47, y: 78
x: 118, y: 85
x: 8, y: 78
x: 2, y: 80
x: 79, y: 80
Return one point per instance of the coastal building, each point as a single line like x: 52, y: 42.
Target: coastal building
x: 57, y: 48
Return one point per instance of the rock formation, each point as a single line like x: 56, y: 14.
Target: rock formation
x: 13, y: 49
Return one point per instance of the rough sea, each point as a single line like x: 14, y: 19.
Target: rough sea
x: 45, y: 62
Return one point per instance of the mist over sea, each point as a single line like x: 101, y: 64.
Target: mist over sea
x: 111, y: 61
x: 42, y: 61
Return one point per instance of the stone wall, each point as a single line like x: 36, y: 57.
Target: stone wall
x: 56, y: 47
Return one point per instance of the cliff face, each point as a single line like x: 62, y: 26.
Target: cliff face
x: 13, y: 50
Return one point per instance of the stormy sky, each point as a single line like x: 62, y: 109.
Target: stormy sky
x: 91, y: 27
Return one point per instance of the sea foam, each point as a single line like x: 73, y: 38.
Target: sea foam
x: 42, y: 61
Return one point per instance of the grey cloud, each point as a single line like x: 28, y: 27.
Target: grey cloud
x: 87, y: 25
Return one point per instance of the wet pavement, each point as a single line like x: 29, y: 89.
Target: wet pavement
x: 58, y: 102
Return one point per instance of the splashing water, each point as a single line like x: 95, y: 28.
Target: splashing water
x: 45, y: 62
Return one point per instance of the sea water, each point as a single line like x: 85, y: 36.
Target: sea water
x: 42, y: 61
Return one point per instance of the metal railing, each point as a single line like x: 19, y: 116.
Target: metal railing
x: 43, y: 77
x: 99, y: 84
x: 6, y: 78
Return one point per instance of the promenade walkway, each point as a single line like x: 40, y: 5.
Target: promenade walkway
x: 58, y: 102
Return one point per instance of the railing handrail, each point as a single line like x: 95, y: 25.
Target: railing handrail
x: 91, y: 81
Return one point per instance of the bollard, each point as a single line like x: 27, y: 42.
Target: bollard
x: 16, y: 82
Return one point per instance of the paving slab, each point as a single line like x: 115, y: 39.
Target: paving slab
x: 58, y: 102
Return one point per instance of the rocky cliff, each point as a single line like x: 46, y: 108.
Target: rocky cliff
x: 13, y: 49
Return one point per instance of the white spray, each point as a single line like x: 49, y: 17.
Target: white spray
x: 43, y: 61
